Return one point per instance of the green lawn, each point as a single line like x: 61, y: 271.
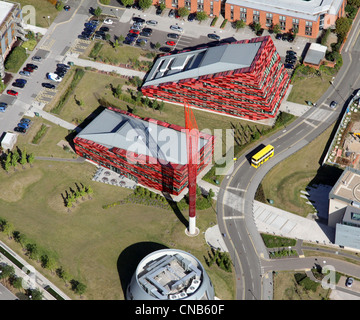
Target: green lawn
x: 284, y: 182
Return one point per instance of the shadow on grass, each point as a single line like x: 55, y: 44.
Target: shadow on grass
x: 130, y: 258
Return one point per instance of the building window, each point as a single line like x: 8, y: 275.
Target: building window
x: 243, y: 14
x: 321, y: 22
x: 188, y: 4
x: 211, y: 8
x: 232, y: 13
x: 269, y: 19
x: 256, y: 16
x: 308, y: 28
x: 295, y: 25
x: 200, y: 5
x: 282, y: 22
x: 174, y: 3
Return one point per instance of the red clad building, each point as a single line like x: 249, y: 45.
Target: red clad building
x: 244, y: 79
x: 151, y: 152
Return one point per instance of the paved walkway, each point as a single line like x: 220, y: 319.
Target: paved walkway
x: 40, y: 281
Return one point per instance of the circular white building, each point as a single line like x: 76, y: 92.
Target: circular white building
x: 170, y: 274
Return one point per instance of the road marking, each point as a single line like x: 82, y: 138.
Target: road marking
x: 236, y: 189
x: 309, y: 123
x: 233, y: 217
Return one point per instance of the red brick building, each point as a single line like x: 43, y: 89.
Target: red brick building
x: 307, y: 17
x: 151, y: 152
x: 244, y: 79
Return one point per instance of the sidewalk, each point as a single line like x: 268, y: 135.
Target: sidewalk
x: 41, y: 281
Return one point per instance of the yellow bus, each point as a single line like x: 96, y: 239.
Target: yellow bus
x: 263, y: 155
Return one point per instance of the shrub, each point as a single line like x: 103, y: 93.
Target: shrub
x: 15, y: 59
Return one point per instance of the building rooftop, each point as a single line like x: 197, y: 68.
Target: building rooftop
x: 170, y: 275
x: 119, y: 130
x: 197, y: 63
x: 5, y: 8
x: 315, y: 54
x: 347, y: 188
x: 304, y: 9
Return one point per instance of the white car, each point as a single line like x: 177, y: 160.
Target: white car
x: 108, y: 21
x: 54, y: 77
x: 176, y: 28
x: 152, y: 22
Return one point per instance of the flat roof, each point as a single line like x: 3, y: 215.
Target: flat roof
x: 347, y: 188
x: 5, y: 8
x: 116, y: 129
x: 315, y: 54
x: 170, y: 276
x: 304, y: 9
x: 197, y: 63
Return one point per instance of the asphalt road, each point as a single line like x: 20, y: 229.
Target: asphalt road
x: 235, y: 199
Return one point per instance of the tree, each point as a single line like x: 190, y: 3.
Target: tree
x: 36, y: 294
x: 127, y: 3
x: 97, y: 11
x: 48, y: 262
x: 201, y: 15
x: 342, y: 26
x: 239, y: 24
x: 8, y: 228
x: 183, y: 12
x: 276, y: 28
x: 257, y: 27
x: 32, y: 250
x: 355, y: 3
x: 31, y: 158
x: 23, y: 158
x: 145, y: 4
x: 6, y: 271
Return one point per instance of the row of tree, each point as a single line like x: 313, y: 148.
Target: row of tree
x: 73, y: 196
x: 13, y: 158
x: 46, y: 260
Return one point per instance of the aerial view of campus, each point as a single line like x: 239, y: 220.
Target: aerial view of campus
x: 183, y: 150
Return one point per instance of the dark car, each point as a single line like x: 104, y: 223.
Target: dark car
x: 36, y: 58
x: 158, y: 11
x: 67, y: 8
x: 290, y: 60
x: 278, y: 36
x: 62, y: 65
x: 285, y: 37
x: 172, y: 13
x: 20, y: 129
x: 32, y: 66
x: 290, y: 38
x: 21, y: 81
x: 146, y: 32
x: 289, y: 66
x: 333, y: 104
x: 18, y: 84
x: 173, y: 36
x: 137, y: 19
x: 291, y: 53
x: 165, y: 49
x: 104, y: 29
x: 213, y: 36
x: 48, y: 85
x: 28, y: 69
x: 191, y: 17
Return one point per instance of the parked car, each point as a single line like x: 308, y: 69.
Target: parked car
x: 36, y: 58
x: 176, y: 28
x: 290, y: 60
x: 135, y: 27
x: 146, y: 32
x: 333, y: 104
x: 12, y: 93
x: 104, y: 29
x: 25, y: 73
x: 23, y: 125
x: 170, y: 43
x: 191, y: 17
x: 20, y: 129
x: 158, y: 11
x: 141, y: 41
x: 291, y: 53
x: 62, y: 65
x: 289, y: 66
x: 108, y: 21
x: 138, y: 19
x: 25, y: 120
x: 67, y: 8
x: 173, y: 36
x: 3, y: 106
x: 290, y: 38
x: 165, y: 49
x: 32, y: 66
x: 21, y: 81
x: 28, y: 69
x: 54, y: 77
x: 134, y: 31
x: 284, y: 37
x: 349, y: 282
x: 278, y: 36
x: 48, y: 85
x: 98, y: 37
x: 171, y: 13
x: 152, y: 22
x: 18, y: 84
x: 213, y: 36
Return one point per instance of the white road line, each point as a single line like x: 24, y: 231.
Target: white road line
x: 233, y: 217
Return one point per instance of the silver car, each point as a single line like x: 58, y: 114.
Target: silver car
x: 152, y: 22
x: 176, y: 28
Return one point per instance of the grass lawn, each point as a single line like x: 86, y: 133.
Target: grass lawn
x: 43, y: 10
x: 286, y: 288
x: 284, y: 182
x: 308, y: 88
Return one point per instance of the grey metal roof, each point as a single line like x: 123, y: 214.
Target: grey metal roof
x: 194, y: 64
x: 114, y: 129
x: 303, y: 9
x: 315, y: 54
